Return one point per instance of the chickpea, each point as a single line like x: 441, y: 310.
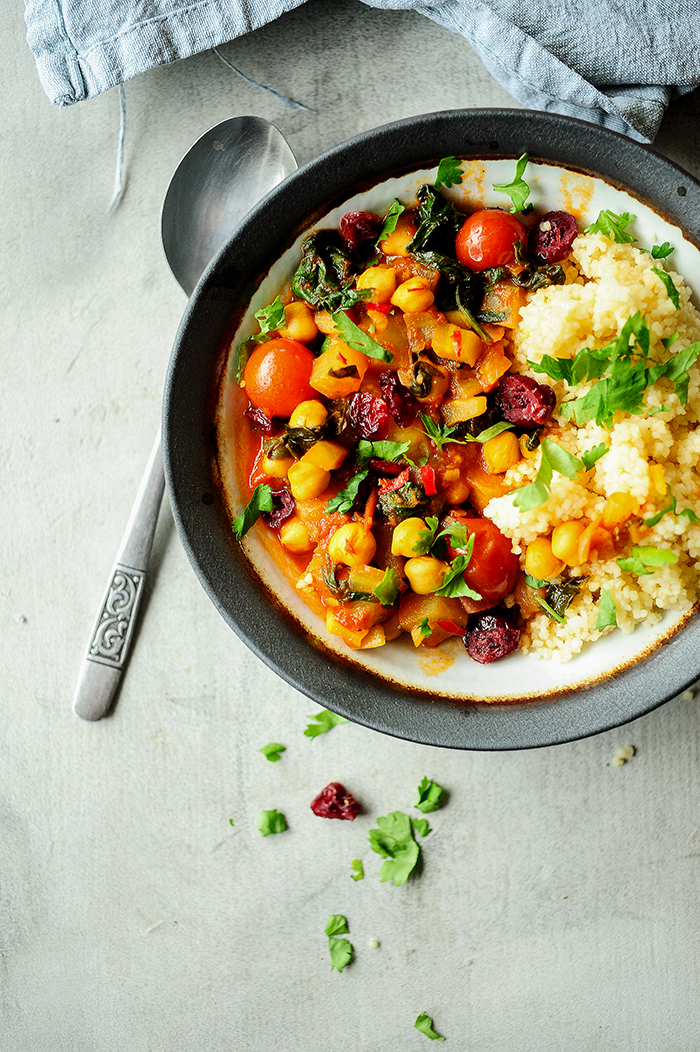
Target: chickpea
x: 307, y: 480
x: 299, y: 322
x: 501, y: 453
x: 425, y: 574
x: 413, y: 295
x: 565, y: 538
x: 540, y: 561
x: 352, y: 544
x: 405, y: 537
x: 295, y: 536
x: 277, y: 469
x: 382, y: 282
x: 326, y: 455
x: 311, y: 413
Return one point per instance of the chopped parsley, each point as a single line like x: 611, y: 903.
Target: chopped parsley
x: 429, y: 794
x: 613, y: 226
x: 421, y: 826
x: 358, y: 340
x: 671, y: 507
x: 393, y: 840
x: 554, y: 458
x: 270, y: 318
x: 449, y: 172
x: 661, y: 251
x: 273, y: 751
x: 607, y: 614
x: 390, y: 221
x: 645, y: 559
x: 345, y: 499
x: 358, y: 870
x: 424, y: 628
x: 426, y: 538
x: 670, y: 287
x: 438, y: 433
x: 260, y: 501
x: 589, y: 457
x: 622, y: 370
x: 340, y: 949
x: 425, y: 1024
x: 454, y: 584
x: 325, y: 720
x: 517, y: 190
x: 271, y: 822
x: 381, y: 449
x: 387, y: 591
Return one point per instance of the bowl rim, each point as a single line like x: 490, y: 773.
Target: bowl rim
x: 222, y: 293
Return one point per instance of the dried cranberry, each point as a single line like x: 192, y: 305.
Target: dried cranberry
x: 282, y: 508
x: 336, y: 802
x: 399, y: 400
x: 369, y: 416
x: 384, y: 467
x: 359, y: 230
x: 524, y: 402
x: 550, y: 240
x: 260, y: 420
x: 491, y: 638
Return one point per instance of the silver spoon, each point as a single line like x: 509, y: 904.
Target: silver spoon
x: 217, y: 182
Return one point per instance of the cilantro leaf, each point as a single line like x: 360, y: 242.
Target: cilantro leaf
x: 337, y: 925
x: 535, y: 582
x: 390, y: 221
x: 270, y: 318
x: 677, y: 366
x: 449, y: 172
x: 345, y: 499
x: 607, y: 614
x: 490, y: 432
x: 325, y: 720
x: 613, y: 226
x: 341, y: 953
x: 439, y: 433
x: 453, y: 584
x: 670, y: 287
x: 459, y: 538
x: 554, y: 458
x: 357, y: 339
x: 387, y: 591
x: 425, y: 629
x: 358, y: 870
x: 381, y: 449
x: 592, y: 456
x: 425, y: 1024
x: 271, y: 822
x: 421, y: 826
x: 517, y: 190
x: 273, y: 751
x: 426, y: 538
x: 671, y: 506
x: 645, y: 556
x: 260, y: 501
x: 429, y: 794
x: 661, y: 251
x: 393, y: 840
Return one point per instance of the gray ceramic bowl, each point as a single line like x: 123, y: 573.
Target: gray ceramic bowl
x: 512, y: 704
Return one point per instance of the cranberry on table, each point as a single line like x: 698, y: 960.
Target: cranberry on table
x: 551, y: 238
x: 369, y: 416
x: 336, y: 802
x: 283, y: 505
x: 491, y: 638
x: 359, y: 230
x: 524, y: 402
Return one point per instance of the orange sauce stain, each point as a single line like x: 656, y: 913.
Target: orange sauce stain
x: 439, y: 659
x: 576, y: 192
x: 473, y: 191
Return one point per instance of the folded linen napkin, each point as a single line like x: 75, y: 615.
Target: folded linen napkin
x: 617, y: 63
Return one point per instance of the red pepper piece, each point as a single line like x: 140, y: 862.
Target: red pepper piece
x: 427, y: 475
x: 391, y: 484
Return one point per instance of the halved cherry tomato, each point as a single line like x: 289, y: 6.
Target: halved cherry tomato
x: 493, y: 568
x: 276, y: 376
x: 487, y: 237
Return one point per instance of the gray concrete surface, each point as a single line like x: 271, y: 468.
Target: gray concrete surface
x: 557, y: 905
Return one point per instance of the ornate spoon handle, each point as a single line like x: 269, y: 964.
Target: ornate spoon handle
x: 110, y: 642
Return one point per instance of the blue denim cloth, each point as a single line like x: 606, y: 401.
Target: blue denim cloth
x: 617, y: 63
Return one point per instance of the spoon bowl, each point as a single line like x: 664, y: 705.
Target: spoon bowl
x: 227, y: 171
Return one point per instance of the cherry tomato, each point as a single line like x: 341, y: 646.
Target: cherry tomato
x: 493, y: 568
x: 487, y: 237
x: 276, y: 376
